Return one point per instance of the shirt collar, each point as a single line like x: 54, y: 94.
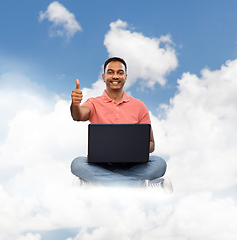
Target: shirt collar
x: 107, y: 99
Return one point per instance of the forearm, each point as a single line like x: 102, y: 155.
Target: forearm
x: 76, y: 112
x: 152, y: 142
x: 152, y: 147
x: 80, y: 113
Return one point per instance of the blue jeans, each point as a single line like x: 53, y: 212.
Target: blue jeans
x: 127, y: 174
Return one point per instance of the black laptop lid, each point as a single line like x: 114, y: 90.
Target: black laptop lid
x: 118, y: 143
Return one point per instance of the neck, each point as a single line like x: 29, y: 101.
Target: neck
x: 115, y: 95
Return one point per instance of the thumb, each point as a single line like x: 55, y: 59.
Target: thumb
x: 77, y: 84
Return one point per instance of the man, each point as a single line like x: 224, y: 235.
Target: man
x: 115, y: 106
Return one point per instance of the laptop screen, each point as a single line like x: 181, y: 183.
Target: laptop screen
x: 118, y: 143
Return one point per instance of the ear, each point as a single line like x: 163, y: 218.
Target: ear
x: 103, y: 76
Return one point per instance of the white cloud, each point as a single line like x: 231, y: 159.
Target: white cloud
x: 96, y: 90
x: 29, y: 236
x: 21, y: 94
x: 197, y: 136
x: 64, y: 22
x: 131, y: 216
x: 146, y: 58
x: 36, y: 193
x: 199, y: 130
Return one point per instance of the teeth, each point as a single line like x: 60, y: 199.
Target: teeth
x: 115, y: 83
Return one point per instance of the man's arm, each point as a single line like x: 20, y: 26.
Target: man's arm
x: 152, y: 142
x: 79, y: 113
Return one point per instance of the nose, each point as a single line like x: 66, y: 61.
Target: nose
x: 115, y: 75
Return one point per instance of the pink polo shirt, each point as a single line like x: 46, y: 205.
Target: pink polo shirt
x: 129, y: 110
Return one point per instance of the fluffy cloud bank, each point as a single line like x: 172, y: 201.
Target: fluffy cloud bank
x: 196, y: 134
x: 64, y: 22
x: 199, y: 129
x: 146, y: 58
x: 36, y: 192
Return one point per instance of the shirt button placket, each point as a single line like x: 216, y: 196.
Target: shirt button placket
x: 117, y: 114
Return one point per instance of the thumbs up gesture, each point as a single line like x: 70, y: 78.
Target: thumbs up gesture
x: 77, y: 94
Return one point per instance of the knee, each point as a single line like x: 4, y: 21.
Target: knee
x: 77, y: 163
x: 160, y: 162
x: 164, y: 164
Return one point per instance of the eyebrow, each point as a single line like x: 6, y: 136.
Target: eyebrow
x: 120, y: 70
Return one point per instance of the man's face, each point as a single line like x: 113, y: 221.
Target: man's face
x: 115, y: 75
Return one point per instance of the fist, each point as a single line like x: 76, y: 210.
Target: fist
x: 77, y: 94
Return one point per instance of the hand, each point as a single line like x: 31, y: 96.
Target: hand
x: 77, y: 94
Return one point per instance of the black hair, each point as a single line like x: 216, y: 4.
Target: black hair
x: 115, y: 59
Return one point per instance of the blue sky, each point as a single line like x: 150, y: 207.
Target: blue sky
x: 204, y: 34
x: 182, y: 62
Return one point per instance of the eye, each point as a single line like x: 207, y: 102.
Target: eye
x: 109, y: 72
x: 120, y: 73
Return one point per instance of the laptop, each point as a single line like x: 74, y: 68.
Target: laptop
x: 118, y: 143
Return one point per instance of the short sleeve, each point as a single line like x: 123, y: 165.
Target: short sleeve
x: 89, y: 103
x: 144, y: 116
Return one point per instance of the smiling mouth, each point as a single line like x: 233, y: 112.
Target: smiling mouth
x: 115, y: 82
